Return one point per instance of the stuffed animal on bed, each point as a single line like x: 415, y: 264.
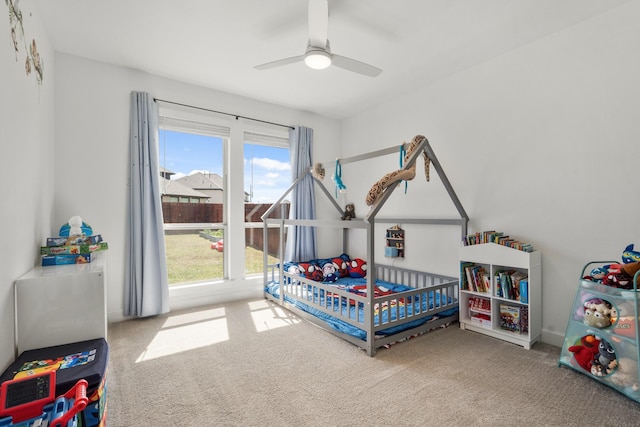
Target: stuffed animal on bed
x: 357, y: 268
x: 330, y: 272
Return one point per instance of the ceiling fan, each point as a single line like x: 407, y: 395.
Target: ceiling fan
x: 318, y: 54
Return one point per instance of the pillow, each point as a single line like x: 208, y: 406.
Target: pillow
x: 342, y: 265
x: 357, y: 268
x: 310, y: 270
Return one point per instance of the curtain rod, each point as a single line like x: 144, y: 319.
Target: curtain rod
x: 237, y: 116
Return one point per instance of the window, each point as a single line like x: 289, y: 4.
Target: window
x: 267, y: 174
x: 193, y: 199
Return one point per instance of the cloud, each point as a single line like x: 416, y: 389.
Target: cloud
x: 271, y: 164
x: 272, y: 175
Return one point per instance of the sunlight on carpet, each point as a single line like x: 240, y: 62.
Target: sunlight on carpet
x: 192, y: 330
x: 267, y: 316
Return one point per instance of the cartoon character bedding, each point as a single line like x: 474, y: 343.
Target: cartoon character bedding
x: 336, y: 289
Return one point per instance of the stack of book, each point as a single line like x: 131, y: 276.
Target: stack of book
x: 71, y: 250
x: 474, y: 278
x: 512, y: 284
x: 496, y: 237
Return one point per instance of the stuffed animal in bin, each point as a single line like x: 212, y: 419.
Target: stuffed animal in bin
x: 626, y: 375
x: 605, y: 361
x: 586, y: 352
x: 629, y: 255
x: 598, y: 313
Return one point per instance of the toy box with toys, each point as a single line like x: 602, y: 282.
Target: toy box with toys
x: 62, y: 367
x: 601, y: 340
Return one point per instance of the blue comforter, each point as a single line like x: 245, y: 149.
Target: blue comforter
x: 395, y: 309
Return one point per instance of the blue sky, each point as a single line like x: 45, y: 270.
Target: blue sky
x: 185, y: 154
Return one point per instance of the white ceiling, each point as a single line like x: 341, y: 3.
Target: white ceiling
x: 216, y: 43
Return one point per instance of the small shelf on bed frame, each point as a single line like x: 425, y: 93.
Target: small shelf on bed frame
x: 484, y: 309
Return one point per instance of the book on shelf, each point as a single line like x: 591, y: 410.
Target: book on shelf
x: 514, y: 318
x: 513, y: 285
x: 474, y: 278
x: 480, y: 305
x: 492, y: 236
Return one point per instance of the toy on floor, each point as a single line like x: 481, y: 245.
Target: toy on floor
x: 404, y: 174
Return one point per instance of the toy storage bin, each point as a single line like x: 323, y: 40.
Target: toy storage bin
x: 82, y: 360
x: 601, y: 340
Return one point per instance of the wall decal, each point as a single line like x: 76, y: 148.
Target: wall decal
x: 33, y: 61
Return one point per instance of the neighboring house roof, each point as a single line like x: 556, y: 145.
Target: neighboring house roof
x: 176, y: 188
x: 202, y: 181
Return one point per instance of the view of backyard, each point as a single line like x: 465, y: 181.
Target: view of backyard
x: 190, y: 258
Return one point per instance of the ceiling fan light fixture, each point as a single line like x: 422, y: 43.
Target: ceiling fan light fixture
x: 317, y: 59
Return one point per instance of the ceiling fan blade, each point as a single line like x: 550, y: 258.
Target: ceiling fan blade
x: 355, y: 66
x: 280, y: 62
x: 318, y: 22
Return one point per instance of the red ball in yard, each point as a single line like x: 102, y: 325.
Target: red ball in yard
x: 218, y: 246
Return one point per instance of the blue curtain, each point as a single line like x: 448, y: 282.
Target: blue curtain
x: 301, y: 240
x: 146, y: 282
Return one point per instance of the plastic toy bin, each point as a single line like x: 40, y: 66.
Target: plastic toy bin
x: 72, y: 362
x: 601, y: 340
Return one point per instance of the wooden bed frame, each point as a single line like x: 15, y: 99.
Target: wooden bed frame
x: 294, y: 289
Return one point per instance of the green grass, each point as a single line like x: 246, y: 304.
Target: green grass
x: 190, y: 258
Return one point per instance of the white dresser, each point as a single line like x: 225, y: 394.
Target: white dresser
x: 61, y: 304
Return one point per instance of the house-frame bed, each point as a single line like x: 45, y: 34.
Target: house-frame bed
x: 418, y: 301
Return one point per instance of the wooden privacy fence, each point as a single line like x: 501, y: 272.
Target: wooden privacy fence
x: 195, y: 213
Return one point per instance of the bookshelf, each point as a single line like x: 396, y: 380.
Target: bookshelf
x: 395, y: 242
x: 500, y: 292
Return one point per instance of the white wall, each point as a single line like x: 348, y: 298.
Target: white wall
x: 542, y: 143
x: 92, y: 140
x: 26, y: 168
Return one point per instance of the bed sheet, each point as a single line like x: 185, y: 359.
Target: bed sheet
x: 399, y: 308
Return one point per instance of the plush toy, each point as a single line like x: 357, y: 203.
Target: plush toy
x: 585, y: 352
x: 341, y: 265
x: 337, y: 178
x: 317, y: 171
x: 597, y: 313
x: 330, y: 272
x: 349, y: 212
x: 605, y: 361
x: 598, y: 273
x: 629, y: 255
x: 406, y: 173
x: 75, y: 227
x: 626, y: 375
x: 357, y: 268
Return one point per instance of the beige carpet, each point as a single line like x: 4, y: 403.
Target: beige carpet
x: 253, y: 364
